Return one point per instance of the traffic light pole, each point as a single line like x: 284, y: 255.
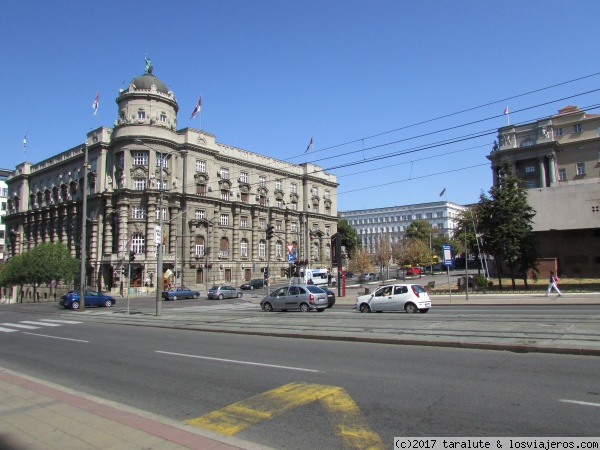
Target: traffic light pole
x: 128, y: 286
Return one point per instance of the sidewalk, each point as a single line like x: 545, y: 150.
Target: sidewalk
x: 35, y: 414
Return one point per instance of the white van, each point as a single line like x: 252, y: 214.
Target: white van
x: 318, y: 277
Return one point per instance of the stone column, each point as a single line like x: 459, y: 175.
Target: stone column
x: 551, y: 169
x: 542, y: 169
x: 108, y: 228
x: 150, y: 245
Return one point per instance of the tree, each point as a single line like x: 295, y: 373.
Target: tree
x: 348, y: 234
x: 360, y: 262
x: 383, y: 252
x: 505, y: 221
x: 419, y: 229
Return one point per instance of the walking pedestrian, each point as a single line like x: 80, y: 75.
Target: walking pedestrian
x: 553, y: 284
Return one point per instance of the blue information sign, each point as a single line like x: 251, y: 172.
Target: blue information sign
x: 447, y: 254
x: 290, y: 257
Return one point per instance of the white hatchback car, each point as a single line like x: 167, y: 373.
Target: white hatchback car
x: 410, y: 298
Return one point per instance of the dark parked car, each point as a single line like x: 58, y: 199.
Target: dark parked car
x: 330, y: 297
x: 257, y: 283
x: 71, y: 300
x: 221, y: 292
x: 179, y: 292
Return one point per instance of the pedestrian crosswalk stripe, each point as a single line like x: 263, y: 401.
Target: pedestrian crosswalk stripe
x: 6, y: 330
x: 44, y: 324
x: 20, y: 325
x: 60, y: 321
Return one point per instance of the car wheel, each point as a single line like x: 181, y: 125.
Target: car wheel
x: 108, y: 303
x: 410, y: 308
x: 320, y: 309
x: 75, y: 305
x: 364, y: 308
x: 424, y: 310
x: 251, y: 287
x: 267, y: 307
x: 304, y: 307
x: 239, y: 295
x: 196, y: 295
x: 220, y: 297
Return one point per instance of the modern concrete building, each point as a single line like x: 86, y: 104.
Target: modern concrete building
x: 372, y: 224
x: 558, y: 159
x: 215, y: 200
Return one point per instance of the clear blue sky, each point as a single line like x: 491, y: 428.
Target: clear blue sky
x: 274, y: 73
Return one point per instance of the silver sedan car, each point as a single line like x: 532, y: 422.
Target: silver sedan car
x: 224, y: 291
x: 303, y: 298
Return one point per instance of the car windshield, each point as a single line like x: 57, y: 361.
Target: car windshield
x: 418, y: 288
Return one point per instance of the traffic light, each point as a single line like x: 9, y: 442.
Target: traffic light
x: 286, y: 271
x: 270, y: 229
x: 131, y: 255
x: 266, y: 273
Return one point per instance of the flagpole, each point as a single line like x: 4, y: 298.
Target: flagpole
x: 200, y: 115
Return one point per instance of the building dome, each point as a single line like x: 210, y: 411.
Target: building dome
x: 145, y: 81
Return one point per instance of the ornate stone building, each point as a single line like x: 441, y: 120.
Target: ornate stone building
x: 216, y: 201
x: 558, y: 160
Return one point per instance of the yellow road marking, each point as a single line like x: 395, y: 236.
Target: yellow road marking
x: 348, y: 422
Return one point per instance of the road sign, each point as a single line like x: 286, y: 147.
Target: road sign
x: 447, y: 254
x: 290, y: 248
x: 290, y: 257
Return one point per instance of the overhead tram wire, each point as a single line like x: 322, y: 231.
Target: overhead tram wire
x: 412, y: 179
x: 455, y: 113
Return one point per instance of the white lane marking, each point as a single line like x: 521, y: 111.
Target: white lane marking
x: 60, y: 321
x: 56, y: 337
x: 577, y: 402
x: 19, y: 325
x: 44, y: 324
x: 6, y: 330
x: 239, y: 362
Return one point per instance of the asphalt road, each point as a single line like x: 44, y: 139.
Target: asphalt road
x: 397, y: 390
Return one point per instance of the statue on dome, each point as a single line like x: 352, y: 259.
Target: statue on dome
x: 148, y: 64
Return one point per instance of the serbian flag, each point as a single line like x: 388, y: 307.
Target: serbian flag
x: 25, y: 141
x: 197, y: 108
x: 443, y: 192
x: 506, y: 111
x: 95, y: 104
x: 309, y: 145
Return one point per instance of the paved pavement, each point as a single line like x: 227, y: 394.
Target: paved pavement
x: 35, y: 414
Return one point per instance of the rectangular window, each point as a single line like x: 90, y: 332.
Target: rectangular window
x: 243, y: 177
x: 278, y: 225
x: 562, y: 174
x: 200, y: 189
x: 293, y: 206
x: 245, y: 197
x: 580, y: 168
x: 199, y: 214
x: 262, y: 200
x: 224, y: 219
x: 327, y: 231
x: 294, y: 227
x: 200, y: 165
x: 429, y: 215
x: 262, y: 181
x: 261, y: 249
x: 314, y: 192
x: 140, y: 159
x: 138, y: 212
x: 278, y: 203
x: 531, y: 184
x: 530, y: 169
x: 164, y: 213
x: 419, y: 216
x: 278, y: 184
x: 244, y: 249
x: 294, y: 188
x: 224, y: 173
x: 141, y: 114
x: 224, y: 194
x: 577, y: 128
x: 262, y: 225
x: 278, y: 250
x: 559, y: 131
x: 326, y: 195
x: 244, y: 222
x: 199, y: 250
x: 121, y: 160
x: 139, y: 184
x: 161, y: 159
x: 94, y: 164
x: 163, y: 118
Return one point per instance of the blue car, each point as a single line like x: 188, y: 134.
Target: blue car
x: 71, y: 300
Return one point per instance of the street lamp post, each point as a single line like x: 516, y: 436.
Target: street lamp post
x: 159, y: 257
x: 83, y: 231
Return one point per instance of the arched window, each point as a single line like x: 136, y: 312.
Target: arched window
x: 224, y: 247
x: 244, y: 248
x: 138, y: 243
x: 199, y: 246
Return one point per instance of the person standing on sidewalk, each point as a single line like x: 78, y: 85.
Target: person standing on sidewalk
x: 553, y: 284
